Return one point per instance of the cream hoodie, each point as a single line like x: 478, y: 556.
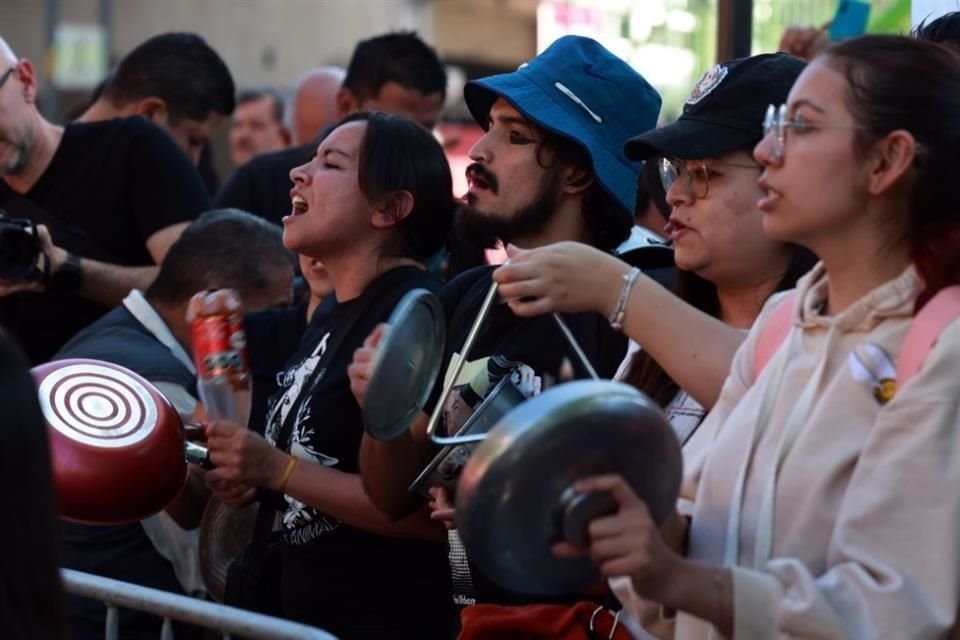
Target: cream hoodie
x: 840, y: 516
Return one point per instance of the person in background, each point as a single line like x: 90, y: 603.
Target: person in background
x: 393, y: 73
x: 257, y: 125
x: 650, y: 210
x: 107, y: 199
x: 175, y: 80
x: 314, y: 105
x: 945, y: 30
x: 806, y: 42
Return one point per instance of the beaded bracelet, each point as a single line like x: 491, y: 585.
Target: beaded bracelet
x: 287, y: 473
x: 620, y: 311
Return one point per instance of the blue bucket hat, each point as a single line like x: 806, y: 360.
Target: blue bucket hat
x: 579, y: 90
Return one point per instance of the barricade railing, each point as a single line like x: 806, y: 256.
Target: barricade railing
x: 171, y: 606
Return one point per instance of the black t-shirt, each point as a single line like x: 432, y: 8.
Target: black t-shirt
x: 109, y: 187
x: 535, y: 342
x: 273, y: 336
x: 351, y: 583
x: 262, y: 186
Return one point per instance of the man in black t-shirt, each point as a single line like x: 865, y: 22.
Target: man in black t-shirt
x: 175, y: 80
x: 395, y: 73
x: 109, y: 199
x: 549, y: 168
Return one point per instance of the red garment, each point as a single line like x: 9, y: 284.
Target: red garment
x: 532, y: 622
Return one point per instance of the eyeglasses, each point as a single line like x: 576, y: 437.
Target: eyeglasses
x: 695, y: 173
x: 776, y: 121
x: 6, y: 75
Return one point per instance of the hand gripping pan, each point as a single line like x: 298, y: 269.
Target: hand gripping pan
x: 407, y: 364
x: 514, y: 498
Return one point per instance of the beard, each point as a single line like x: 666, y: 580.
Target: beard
x: 487, y: 228
x: 17, y: 160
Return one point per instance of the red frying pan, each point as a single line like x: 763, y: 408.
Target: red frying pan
x: 117, y: 445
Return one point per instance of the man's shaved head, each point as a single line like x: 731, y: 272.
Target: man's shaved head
x: 314, y: 103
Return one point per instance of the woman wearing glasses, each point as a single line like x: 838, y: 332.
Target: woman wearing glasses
x: 828, y: 505
x: 727, y: 265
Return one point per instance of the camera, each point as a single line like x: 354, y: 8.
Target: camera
x: 19, y: 249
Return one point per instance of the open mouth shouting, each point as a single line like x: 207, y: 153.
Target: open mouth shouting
x: 479, y: 178
x: 298, y: 205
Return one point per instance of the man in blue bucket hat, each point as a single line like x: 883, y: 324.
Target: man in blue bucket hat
x: 550, y: 167
x: 551, y: 164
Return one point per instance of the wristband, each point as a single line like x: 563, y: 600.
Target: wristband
x: 287, y: 473
x: 68, y: 278
x: 620, y: 311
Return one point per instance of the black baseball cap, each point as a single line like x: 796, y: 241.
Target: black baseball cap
x: 725, y: 110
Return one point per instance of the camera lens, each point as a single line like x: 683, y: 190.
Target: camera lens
x: 18, y: 251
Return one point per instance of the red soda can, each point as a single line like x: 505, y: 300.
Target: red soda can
x: 220, y: 354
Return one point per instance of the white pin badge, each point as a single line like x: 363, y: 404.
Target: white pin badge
x: 710, y: 80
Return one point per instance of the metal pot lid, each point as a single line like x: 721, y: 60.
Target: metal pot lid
x: 406, y: 365
x: 514, y: 498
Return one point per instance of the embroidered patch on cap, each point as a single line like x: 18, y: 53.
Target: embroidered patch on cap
x: 707, y: 83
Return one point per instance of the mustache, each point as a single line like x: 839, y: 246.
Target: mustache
x: 484, y: 174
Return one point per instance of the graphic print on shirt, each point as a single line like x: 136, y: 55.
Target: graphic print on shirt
x: 476, y: 379
x: 301, y: 523
x: 291, y: 381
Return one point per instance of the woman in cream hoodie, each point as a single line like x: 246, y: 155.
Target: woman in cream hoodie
x: 824, y: 506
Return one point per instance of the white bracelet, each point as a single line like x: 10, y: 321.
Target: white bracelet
x: 620, y: 311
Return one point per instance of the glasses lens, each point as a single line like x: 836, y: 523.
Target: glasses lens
x: 781, y: 129
x: 668, y: 173
x: 770, y: 120
x: 699, y: 179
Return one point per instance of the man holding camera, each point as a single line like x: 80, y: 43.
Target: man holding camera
x: 104, y: 201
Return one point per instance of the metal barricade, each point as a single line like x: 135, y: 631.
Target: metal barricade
x: 171, y: 606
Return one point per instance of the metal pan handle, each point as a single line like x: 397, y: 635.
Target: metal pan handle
x: 465, y: 353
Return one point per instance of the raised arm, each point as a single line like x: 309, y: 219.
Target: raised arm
x: 694, y: 348
x: 388, y: 467
x: 102, y: 282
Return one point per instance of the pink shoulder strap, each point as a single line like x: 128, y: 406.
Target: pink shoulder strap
x: 773, y: 333
x: 927, y: 325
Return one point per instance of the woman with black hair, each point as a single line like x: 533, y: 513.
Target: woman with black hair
x: 373, y: 204
x: 31, y: 594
